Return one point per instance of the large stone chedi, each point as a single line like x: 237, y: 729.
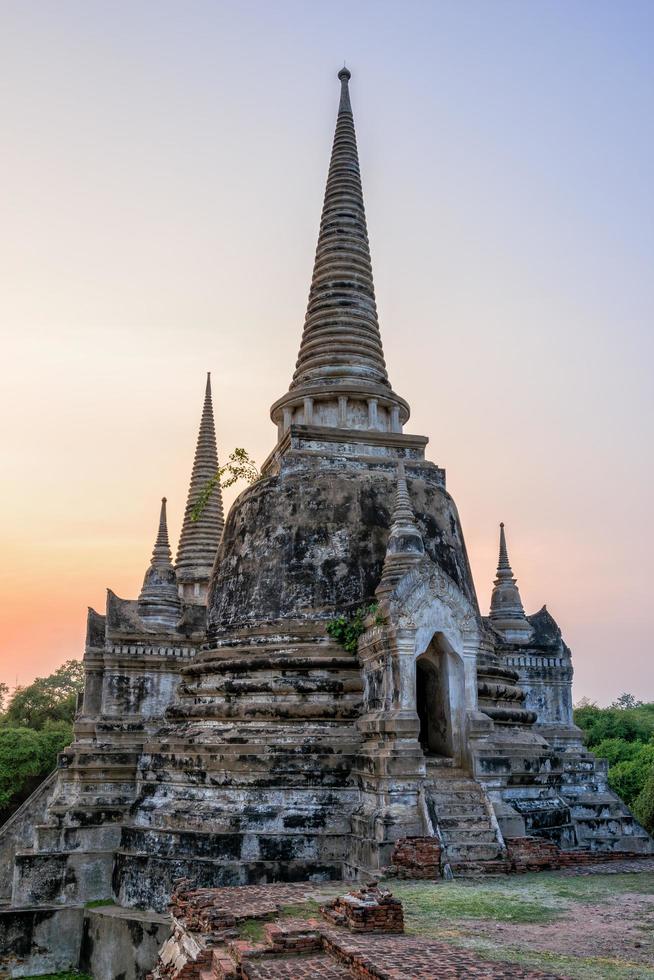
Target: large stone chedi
x: 281, y: 755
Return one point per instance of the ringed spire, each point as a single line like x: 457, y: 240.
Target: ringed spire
x: 159, y: 602
x: 199, y: 539
x: 341, y: 364
x: 507, y: 613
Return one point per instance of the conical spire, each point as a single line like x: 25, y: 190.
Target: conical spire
x: 161, y: 553
x: 405, y: 546
x: 503, y: 560
x: 341, y: 350
x: 159, y: 601
x: 507, y: 613
x: 199, y: 539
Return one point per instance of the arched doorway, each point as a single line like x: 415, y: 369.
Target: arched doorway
x: 440, y: 699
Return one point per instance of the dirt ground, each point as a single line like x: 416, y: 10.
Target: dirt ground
x: 617, y: 928
x: 582, y: 926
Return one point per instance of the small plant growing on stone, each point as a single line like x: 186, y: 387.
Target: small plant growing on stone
x: 239, y: 466
x: 347, y: 629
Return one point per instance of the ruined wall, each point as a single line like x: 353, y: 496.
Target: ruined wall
x: 18, y: 831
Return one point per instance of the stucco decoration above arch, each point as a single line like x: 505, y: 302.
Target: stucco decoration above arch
x: 425, y: 602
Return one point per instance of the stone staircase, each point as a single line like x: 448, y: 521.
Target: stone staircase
x: 602, y: 821
x: 459, y: 808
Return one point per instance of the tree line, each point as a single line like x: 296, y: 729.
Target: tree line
x: 623, y: 734
x: 36, y: 723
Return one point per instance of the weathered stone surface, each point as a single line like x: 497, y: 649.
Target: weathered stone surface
x: 39, y: 941
x: 122, y: 943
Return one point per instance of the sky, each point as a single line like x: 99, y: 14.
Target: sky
x: 161, y: 181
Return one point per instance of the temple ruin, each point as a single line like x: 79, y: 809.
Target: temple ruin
x: 226, y: 737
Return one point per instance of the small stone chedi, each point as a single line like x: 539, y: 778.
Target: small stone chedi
x: 225, y: 737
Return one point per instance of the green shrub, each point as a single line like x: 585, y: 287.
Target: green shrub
x: 626, y: 724
x: 346, y: 630
x: 628, y: 778
x: 644, y: 804
x: 616, y: 750
x: 25, y: 753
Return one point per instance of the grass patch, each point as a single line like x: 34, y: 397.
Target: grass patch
x: 253, y: 929
x: 429, y: 905
x: 63, y: 976
x: 97, y: 903
x: 307, y: 910
x: 600, y: 888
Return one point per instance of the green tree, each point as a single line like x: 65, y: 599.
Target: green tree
x: 629, y: 724
x: 628, y: 778
x: 616, y: 750
x: 49, y: 699
x: 626, y: 701
x: 644, y: 804
x: 26, y: 753
x: 4, y: 691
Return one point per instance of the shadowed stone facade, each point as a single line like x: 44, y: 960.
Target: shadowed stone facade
x: 225, y: 737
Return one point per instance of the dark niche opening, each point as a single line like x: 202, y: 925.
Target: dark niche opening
x: 432, y: 705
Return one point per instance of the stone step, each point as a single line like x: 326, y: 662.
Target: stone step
x: 328, y: 743
x: 309, y: 777
x: 472, y: 822
x: 462, y: 835
x: 480, y: 869
x: 211, y: 812
x: 474, y: 812
x: 74, y: 814
x: 473, y: 851
x: 236, y: 799
x: 446, y: 798
x: 242, y: 765
x: 254, y: 846
x: 455, y: 789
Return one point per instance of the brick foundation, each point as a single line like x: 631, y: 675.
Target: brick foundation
x: 538, y: 854
x: 417, y: 857
x: 366, y: 910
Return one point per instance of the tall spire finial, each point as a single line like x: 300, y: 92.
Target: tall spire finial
x: 507, y: 613
x: 405, y: 546
x: 341, y: 363
x: 199, y: 539
x: 345, y: 105
x: 161, y: 554
x: 159, y: 602
x: 503, y: 562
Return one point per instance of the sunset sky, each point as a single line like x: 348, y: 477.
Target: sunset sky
x: 161, y: 181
